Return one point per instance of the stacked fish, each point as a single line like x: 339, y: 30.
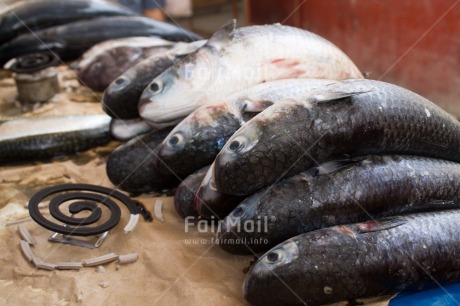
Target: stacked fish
x: 35, y: 32
x: 349, y: 185
x: 68, y: 28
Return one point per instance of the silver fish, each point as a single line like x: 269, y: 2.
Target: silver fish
x: 235, y: 59
x: 45, y: 137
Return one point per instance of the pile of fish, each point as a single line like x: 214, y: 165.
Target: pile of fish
x: 349, y: 185
x: 68, y: 28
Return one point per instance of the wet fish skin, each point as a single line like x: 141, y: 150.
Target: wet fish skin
x: 359, y: 260
x: 224, y: 66
x: 189, y: 148
x: 36, y: 15
x: 42, y: 138
x: 196, y: 140
x: 292, y: 136
x: 184, y: 198
x: 375, y: 187
x: 121, y: 98
x: 69, y: 41
x: 106, y: 67
x: 131, y: 168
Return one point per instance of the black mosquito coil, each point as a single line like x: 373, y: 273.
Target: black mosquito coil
x: 86, y: 199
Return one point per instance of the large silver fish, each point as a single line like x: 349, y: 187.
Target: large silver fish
x: 348, y: 262
x: 45, y: 137
x: 235, y: 59
x: 347, y: 118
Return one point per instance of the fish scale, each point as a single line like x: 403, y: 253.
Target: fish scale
x: 349, y: 126
x: 375, y: 187
x: 359, y: 260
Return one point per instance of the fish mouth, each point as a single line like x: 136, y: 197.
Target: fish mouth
x: 151, y: 112
x: 161, y: 125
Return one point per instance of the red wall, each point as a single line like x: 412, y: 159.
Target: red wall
x: 412, y: 43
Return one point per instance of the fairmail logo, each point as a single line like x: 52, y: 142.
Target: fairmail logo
x: 259, y: 225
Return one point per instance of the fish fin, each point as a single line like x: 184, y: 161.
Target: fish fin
x: 224, y: 34
x: 365, y: 74
x: 380, y: 225
x: 336, y: 165
x: 433, y: 205
x: 323, y: 97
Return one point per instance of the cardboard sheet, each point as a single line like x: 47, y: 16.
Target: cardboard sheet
x: 175, y: 267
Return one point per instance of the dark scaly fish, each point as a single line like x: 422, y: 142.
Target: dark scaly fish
x: 375, y: 187
x: 348, y: 262
x: 184, y: 198
x: 36, y: 15
x: 122, y: 96
x: 69, y: 41
x: 38, y: 138
x: 197, y: 139
x: 131, y: 168
x: 353, y: 118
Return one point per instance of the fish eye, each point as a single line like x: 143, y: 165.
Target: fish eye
x: 275, y: 256
x: 119, y: 81
x: 156, y: 87
x: 237, y: 145
x: 238, y: 212
x: 175, y: 140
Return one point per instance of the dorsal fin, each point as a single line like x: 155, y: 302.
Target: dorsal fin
x: 322, y: 97
x: 223, y: 35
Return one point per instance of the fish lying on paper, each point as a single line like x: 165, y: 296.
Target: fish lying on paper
x: 44, y: 137
x: 131, y: 168
x: 348, y: 262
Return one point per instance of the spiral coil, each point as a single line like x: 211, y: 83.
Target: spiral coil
x: 87, y: 197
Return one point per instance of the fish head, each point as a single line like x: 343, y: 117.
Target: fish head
x: 244, y: 212
x: 210, y: 202
x: 268, y: 273
x: 197, y: 139
x: 259, y: 153
x: 122, y: 96
x: 179, y: 90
